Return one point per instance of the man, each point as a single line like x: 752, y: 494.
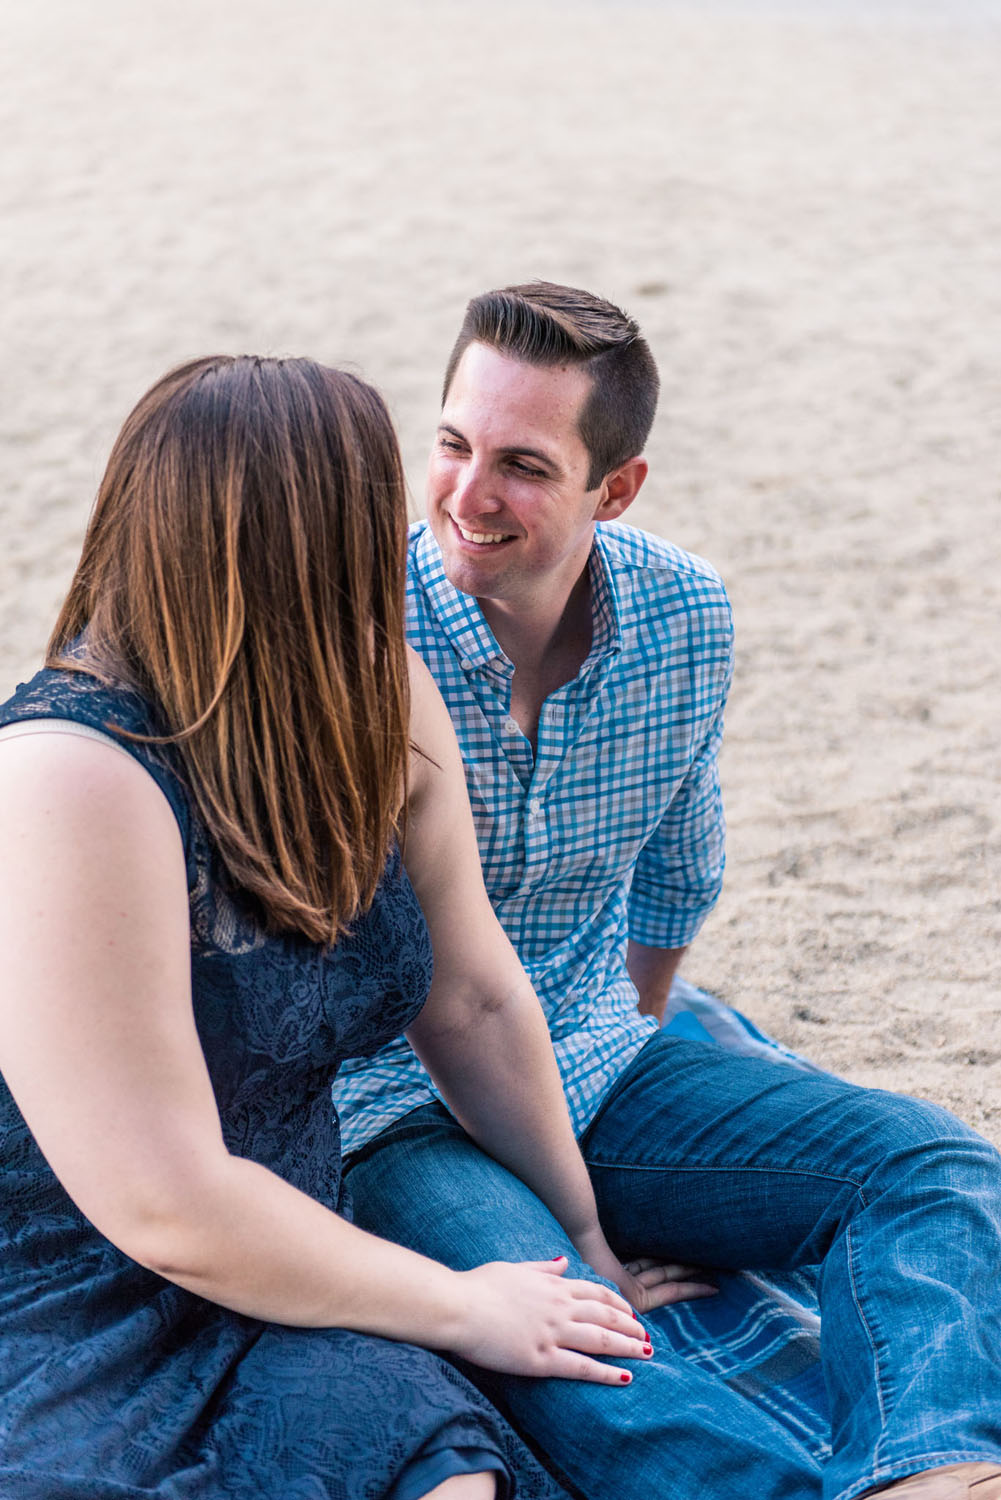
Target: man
x: 585, y: 666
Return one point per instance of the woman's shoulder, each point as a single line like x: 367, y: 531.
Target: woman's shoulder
x: 113, y: 710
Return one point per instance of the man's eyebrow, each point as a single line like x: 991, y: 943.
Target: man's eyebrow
x: 535, y: 453
x: 513, y: 452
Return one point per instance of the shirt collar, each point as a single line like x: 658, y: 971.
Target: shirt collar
x: 458, y: 615
x: 605, y: 608
x: 462, y: 621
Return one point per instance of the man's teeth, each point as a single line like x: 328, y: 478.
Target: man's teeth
x: 481, y: 536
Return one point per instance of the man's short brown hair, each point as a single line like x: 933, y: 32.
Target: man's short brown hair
x: 543, y: 323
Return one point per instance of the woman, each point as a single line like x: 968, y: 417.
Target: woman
x: 202, y: 911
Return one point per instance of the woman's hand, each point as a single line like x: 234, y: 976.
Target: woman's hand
x: 525, y: 1319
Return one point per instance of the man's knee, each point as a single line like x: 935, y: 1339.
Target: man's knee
x: 428, y: 1186
x: 921, y: 1144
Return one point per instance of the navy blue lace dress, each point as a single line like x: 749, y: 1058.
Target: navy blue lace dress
x: 116, y: 1384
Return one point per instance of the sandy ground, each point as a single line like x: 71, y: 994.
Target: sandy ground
x: 803, y: 211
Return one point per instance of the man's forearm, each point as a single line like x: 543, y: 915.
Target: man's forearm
x: 652, y: 971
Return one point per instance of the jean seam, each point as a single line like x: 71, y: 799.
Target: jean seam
x: 689, y: 1166
x: 850, y: 1241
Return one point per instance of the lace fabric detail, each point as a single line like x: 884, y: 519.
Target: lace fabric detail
x: 115, y: 1381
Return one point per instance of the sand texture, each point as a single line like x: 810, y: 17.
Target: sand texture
x: 804, y: 213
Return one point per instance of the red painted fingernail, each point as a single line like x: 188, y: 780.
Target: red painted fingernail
x: 625, y: 1378
x: 636, y: 1316
x: 647, y: 1348
x: 557, y: 1257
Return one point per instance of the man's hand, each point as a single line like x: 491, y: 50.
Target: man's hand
x: 648, y: 1283
x: 652, y: 971
x: 645, y: 1283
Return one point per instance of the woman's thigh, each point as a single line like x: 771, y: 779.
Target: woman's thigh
x: 331, y: 1412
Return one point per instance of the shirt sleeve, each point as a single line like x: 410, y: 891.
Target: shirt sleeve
x: 679, y: 872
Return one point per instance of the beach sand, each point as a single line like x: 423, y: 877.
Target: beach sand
x: 803, y: 212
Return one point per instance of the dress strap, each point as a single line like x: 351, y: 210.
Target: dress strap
x: 59, y: 726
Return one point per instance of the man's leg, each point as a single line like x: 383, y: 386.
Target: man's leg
x: 703, y: 1157
x: 675, y: 1432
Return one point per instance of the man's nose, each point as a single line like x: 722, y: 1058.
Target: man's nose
x: 473, y: 494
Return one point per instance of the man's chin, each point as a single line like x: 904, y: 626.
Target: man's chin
x: 470, y: 570
x: 470, y: 576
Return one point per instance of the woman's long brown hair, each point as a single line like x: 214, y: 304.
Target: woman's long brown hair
x: 244, y: 570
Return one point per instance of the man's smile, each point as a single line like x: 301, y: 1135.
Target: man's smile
x: 481, y: 538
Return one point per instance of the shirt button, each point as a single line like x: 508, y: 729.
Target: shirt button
x: 534, y: 808
x: 465, y: 663
x: 511, y: 726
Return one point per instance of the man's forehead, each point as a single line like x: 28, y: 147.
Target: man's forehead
x: 498, y: 389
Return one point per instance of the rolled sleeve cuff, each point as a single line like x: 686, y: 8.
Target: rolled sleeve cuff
x: 658, y: 924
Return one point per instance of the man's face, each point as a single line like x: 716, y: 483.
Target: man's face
x: 507, y: 478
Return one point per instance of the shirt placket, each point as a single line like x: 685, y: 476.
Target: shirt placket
x: 556, y: 732
x: 560, y: 720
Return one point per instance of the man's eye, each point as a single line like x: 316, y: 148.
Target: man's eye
x: 523, y: 468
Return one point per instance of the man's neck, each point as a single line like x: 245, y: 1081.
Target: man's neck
x: 547, y: 641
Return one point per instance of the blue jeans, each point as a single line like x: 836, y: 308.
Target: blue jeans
x: 701, y: 1156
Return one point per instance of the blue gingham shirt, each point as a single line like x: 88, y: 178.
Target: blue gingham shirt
x: 612, y: 829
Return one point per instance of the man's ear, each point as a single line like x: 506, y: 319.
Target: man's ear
x: 620, y: 488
